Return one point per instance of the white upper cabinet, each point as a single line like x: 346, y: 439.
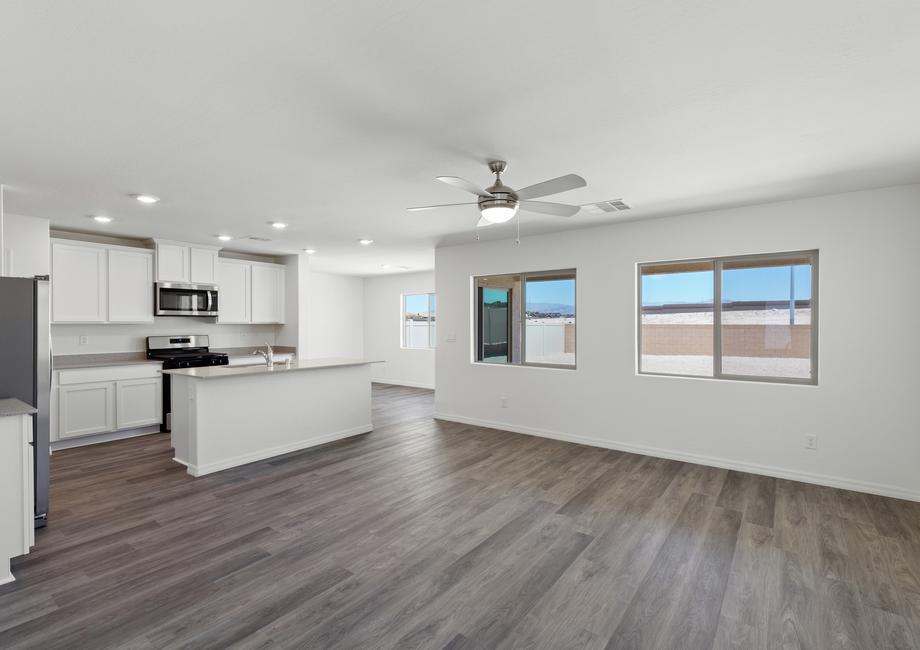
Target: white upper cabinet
x: 78, y: 283
x: 173, y: 263
x: 25, y: 246
x: 189, y: 263
x: 130, y: 286
x: 204, y: 265
x: 95, y: 283
x: 267, y: 293
x: 234, y: 291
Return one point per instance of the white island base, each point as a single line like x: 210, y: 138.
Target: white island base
x: 224, y: 417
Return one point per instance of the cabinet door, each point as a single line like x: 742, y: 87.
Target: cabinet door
x: 172, y: 263
x: 28, y: 484
x: 234, y: 297
x: 130, y: 286
x: 84, y: 409
x: 138, y: 403
x: 26, y: 249
x: 204, y: 265
x: 78, y: 284
x: 267, y: 294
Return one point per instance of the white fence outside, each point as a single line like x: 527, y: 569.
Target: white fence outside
x: 546, y: 343
x: 415, y: 334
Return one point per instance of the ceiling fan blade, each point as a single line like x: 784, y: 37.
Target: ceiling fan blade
x: 432, y: 207
x: 553, y: 186
x: 555, y: 209
x: 483, y: 222
x: 462, y: 184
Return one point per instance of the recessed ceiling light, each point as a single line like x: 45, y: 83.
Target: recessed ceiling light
x: 145, y: 198
x: 102, y: 219
x: 365, y: 242
x: 224, y: 237
x: 279, y: 225
x: 386, y: 266
x: 309, y: 251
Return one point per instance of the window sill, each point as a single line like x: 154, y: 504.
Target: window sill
x: 776, y: 381
x: 538, y: 366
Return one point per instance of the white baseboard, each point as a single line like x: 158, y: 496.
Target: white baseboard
x: 698, y: 459
x: 262, y: 454
x: 7, y: 579
x: 95, y: 439
x: 410, y: 384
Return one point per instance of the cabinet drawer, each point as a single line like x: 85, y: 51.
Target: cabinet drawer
x: 109, y: 373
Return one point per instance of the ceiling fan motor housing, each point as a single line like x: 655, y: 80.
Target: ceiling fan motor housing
x: 502, y: 195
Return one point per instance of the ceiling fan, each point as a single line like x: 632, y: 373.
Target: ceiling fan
x: 499, y: 203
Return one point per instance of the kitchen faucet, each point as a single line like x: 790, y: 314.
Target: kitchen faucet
x: 268, y: 354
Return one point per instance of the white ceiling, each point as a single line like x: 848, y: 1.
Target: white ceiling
x: 335, y: 116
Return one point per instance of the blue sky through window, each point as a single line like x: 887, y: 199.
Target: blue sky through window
x: 767, y: 283
x: 417, y: 303
x: 551, y: 292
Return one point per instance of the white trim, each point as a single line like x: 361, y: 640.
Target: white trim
x: 9, y: 577
x: 881, y: 489
x: 82, y: 441
x: 262, y: 454
x: 396, y: 382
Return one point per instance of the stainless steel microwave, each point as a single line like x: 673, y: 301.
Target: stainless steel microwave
x: 181, y: 299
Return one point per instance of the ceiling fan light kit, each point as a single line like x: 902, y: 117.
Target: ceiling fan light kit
x: 499, y: 203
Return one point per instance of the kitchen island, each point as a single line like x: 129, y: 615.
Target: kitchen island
x: 225, y: 416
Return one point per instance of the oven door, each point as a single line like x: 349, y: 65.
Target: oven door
x: 180, y: 299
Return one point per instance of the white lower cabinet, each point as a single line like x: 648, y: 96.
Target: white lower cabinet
x: 17, y: 526
x: 100, y: 400
x: 138, y: 403
x: 86, y: 409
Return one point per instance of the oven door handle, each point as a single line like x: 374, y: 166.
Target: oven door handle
x: 210, y: 299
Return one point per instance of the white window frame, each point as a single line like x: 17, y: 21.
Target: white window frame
x: 717, y: 373
x: 523, y: 363
x: 432, y: 297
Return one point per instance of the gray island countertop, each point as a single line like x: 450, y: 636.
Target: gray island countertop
x: 215, y: 372
x: 12, y: 406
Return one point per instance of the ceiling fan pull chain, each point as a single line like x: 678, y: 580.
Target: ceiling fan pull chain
x: 518, y: 240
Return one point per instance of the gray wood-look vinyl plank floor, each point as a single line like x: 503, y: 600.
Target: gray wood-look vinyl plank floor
x: 429, y: 534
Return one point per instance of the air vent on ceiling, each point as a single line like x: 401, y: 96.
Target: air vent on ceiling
x: 257, y: 238
x: 613, y: 205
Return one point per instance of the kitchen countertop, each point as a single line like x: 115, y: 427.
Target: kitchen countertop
x: 72, y: 361
x: 216, y: 372
x: 246, y: 351
x: 13, y: 406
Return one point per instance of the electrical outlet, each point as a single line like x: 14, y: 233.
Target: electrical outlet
x: 811, y: 441
x: 504, y: 401
x: 451, y: 337
x: 84, y: 340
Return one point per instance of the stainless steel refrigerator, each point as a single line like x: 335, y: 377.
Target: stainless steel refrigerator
x: 25, y: 367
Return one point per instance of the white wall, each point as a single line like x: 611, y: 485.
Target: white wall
x: 863, y: 410
x: 132, y: 338
x: 330, y: 315
x: 382, y: 335
x: 289, y: 332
